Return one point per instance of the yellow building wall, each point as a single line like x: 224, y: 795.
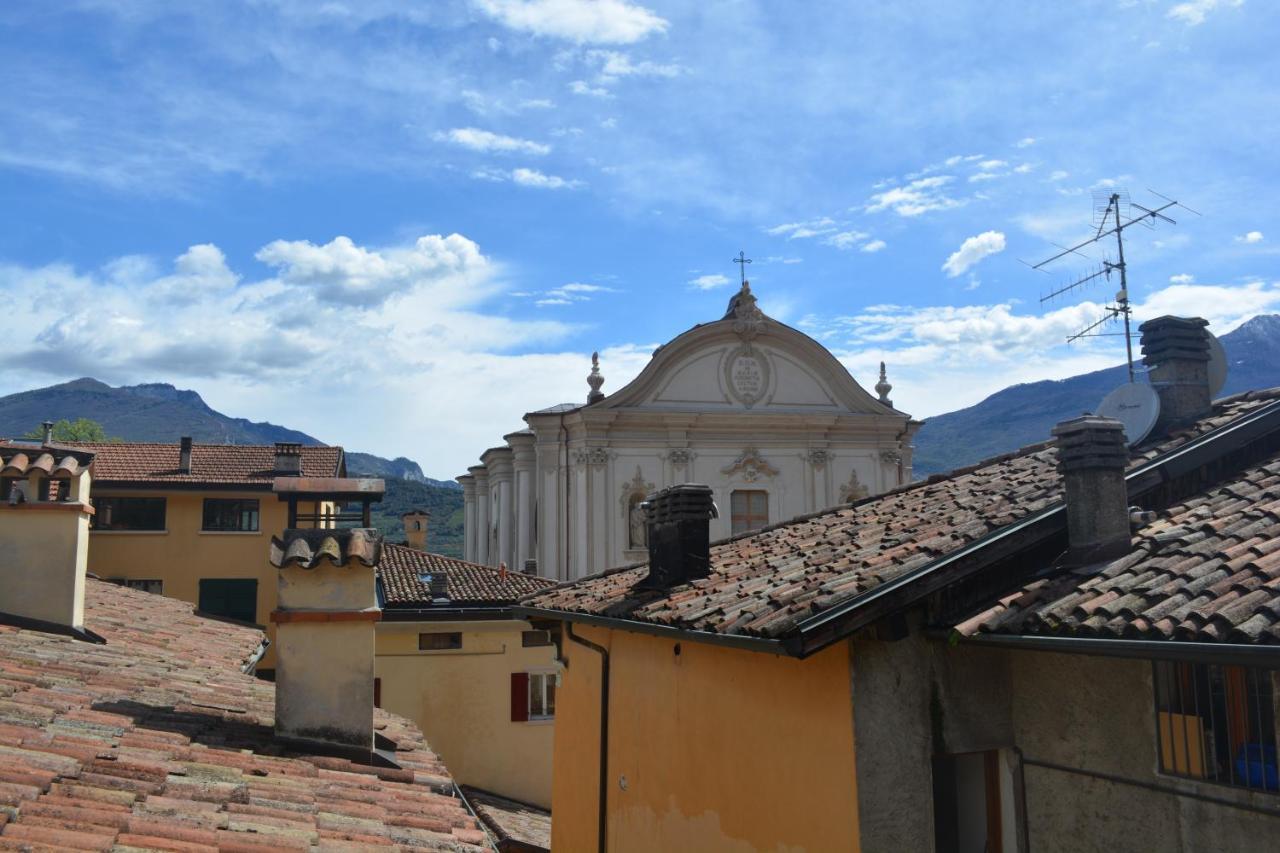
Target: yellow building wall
x: 710, y: 749
x: 183, y: 554
x: 461, y: 699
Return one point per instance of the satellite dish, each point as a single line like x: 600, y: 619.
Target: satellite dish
x: 1136, y: 406
x: 1217, y: 365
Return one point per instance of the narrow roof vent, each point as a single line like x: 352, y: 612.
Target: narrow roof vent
x: 184, y: 455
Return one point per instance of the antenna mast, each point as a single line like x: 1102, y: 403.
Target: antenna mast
x: 1109, y: 213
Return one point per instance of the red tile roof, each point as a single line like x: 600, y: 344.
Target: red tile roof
x: 402, y: 569
x: 158, y: 740
x: 518, y: 827
x: 762, y: 584
x: 211, y: 464
x: 1206, y: 570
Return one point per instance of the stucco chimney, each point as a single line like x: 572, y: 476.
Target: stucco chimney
x: 416, y: 522
x: 325, y: 636
x: 1092, y: 459
x: 184, y: 455
x: 46, y: 542
x: 1176, y: 349
x: 679, y: 528
x: 288, y: 458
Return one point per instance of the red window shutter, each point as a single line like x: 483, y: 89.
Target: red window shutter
x: 519, y: 697
x: 377, y: 693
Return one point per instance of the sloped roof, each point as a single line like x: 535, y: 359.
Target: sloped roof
x: 763, y: 584
x: 311, y: 548
x: 402, y: 569
x: 517, y: 826
x: 250, y: 465
x: 157, y: 739
x: 1206, y: 570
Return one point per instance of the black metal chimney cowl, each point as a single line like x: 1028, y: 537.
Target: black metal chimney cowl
x: 679, y: 527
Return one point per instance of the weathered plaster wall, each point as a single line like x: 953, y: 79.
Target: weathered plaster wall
x: 713, y: 749
x: 324, y: 681
x: 1097, y: 713
x: 461, y: 699
x: 42, y: 562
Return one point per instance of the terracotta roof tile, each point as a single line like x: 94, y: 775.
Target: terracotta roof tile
x: 516, y: 826
x: 211, y: 464
x: 1206, y: 570
x: 850, y: 550
x: 402, y: 570
x: 158, y: 740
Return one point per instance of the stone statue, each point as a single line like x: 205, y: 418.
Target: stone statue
x: 637, y: 524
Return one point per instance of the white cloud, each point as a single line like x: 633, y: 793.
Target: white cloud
x: 484, y: 140
x: 803, y: 230
x: 846, y: 239
x: 874, y: 246
x: 567, y: 294
x: 710, y: 281
x: 915, y: 198
x: 972, y: 251
x: 992, y: 165
x: 1194, y: 12
x: 1025, y: 142
x: 1182, y: 278
x: 1059, y: 175
x: 1251, y: 237
x: 582, y: 87
x: 534, y: 178
x: 614, y: 64
x: 582, y: 21
x: 1023, y: 168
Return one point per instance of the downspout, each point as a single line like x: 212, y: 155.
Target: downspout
x: 603, y: 817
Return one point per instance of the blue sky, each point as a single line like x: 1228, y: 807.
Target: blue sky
x: 400, y: 225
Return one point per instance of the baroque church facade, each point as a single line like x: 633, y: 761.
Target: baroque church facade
x: 758, y: 411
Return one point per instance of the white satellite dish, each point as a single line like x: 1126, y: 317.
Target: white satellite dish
x: 1217, y: 365
x: 1135, y: 405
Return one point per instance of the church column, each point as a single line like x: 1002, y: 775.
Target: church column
x: 525, y: 465
x: 499, y: 462
x: 481, y: 550
x: 468, y: 516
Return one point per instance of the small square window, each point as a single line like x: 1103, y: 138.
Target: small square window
x: 529, y: 639
x: 230, y: 515
x: 438, y: 641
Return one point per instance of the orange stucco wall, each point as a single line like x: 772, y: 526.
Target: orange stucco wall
x: 711, y: 749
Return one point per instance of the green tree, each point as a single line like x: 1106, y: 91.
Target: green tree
x: 79, y: 430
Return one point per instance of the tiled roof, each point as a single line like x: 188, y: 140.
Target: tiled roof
x: 53, y: 460
x: 763, y: 583
x: 213, y: 464
x: 309, y: 548
x: 1206, y: 570
x: 402, y: 569
x: 158, y: 740
x: 517, y: 826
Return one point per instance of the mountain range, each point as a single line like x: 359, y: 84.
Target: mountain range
x: 1024, y: 414
x: 1016, y: 416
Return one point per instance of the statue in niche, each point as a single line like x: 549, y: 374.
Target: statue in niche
x: 637, y: 524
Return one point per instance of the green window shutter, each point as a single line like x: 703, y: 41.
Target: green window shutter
x: 233, y: 598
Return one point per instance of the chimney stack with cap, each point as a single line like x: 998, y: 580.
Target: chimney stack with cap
x: 184, y: 455
x: 679, y: 528
x: 288, y: 458
x: 325, y: 637
x: 47, y: 428
x: 415, y: 528
x: 1176, y: 349
x: 1092, y: 458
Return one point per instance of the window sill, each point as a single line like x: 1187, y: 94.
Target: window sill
x: 230, y: 532
x: 540, y: 721
x: 130, y: 532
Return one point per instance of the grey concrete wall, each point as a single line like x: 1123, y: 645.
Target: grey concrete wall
x: 1097, y: 714
x: 913, y: 699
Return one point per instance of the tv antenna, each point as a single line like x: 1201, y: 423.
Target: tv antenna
x: 1113, y: 213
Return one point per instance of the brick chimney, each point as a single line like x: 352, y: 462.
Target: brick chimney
x: 415, y: 528
x: 1176, y: 349
x: 184, y: 455
x: 325, y: 637
x: 288, y: 459
x: 679, y: 522
x: 1092, y: 459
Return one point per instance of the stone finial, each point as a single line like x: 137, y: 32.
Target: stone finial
x: 883, y: 387
x: 595, y: 380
